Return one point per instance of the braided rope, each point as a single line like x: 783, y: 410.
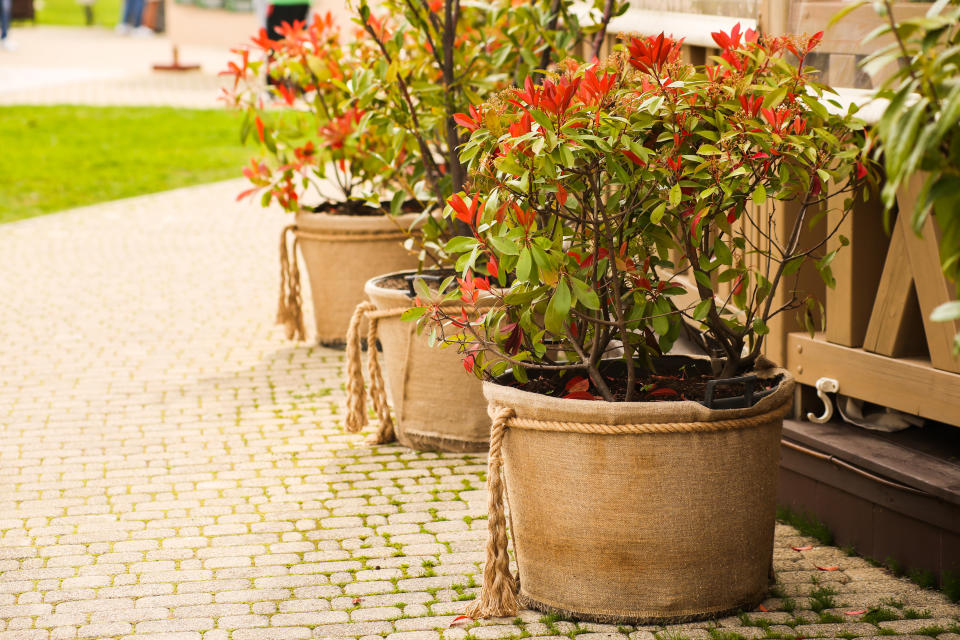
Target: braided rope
x: 498, y: 597
x: 290, y: 304
x: 656, y: 427
x: 356, y: 417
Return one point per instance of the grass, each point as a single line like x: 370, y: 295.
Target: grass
x: 106, y: 13
x: 877, y: 615
x: 60, y: 157
x: 806, y: 525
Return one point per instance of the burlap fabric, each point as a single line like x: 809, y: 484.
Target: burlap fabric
x: 437, y: 405
x: 635, y: 513
x: 341, y: 253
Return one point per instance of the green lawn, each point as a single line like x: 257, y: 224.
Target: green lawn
x: 59, y: 157
x: 70, y: 12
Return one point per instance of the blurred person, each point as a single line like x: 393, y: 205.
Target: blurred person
x: 6, y: 9
x: 131, y: 21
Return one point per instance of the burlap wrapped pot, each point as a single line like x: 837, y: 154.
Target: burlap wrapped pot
x: 641, y: 512
x: 341, y: 253
x: 437, y: 405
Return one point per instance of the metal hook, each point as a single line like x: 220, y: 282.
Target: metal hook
x: 824, y: 386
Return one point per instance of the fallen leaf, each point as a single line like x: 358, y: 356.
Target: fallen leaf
x: 579, y: 395
x: 357, y: 601
x: 461, y: 620
x: 855, y: 613
x: 578, y: 383
x: 806, y: 548
x: 762, y: 608
x: 663, y: 392
x: 833, y: 568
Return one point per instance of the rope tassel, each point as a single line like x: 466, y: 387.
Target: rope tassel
x: 498, y: 597
x: 356, y: 417
x: 290, y: 305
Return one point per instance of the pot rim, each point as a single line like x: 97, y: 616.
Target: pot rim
x: 602, y: 411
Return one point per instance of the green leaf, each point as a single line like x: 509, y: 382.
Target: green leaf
x: 675, y: 195
x: 759, y: 195
x: 723, y: 252
x: 840, y: 15
x: 760, y: 327
x: 587, y: 296
x: 422, y: 289
x: 558, y: 309
x: 946, y: 312
x: 657, y: 214
x: 660, y: 320
x: 525, y: 266
x: 460, y: 244
x: 413, y: 313
x: 775, y: 97
x: 793, y: 265
x: 504, y: 245
x: 702, y: 310
x: 520, y: 374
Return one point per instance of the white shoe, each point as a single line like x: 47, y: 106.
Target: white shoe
x: 123, y: 29
x: 143, y: 32
x: 8, y: 45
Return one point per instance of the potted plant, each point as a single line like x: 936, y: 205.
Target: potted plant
x: 436, y: 58
x: 321, y: 157
x: 641, y: 485
x: 918, y: 137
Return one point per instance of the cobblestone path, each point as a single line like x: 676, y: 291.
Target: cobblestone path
x: 171, y: 468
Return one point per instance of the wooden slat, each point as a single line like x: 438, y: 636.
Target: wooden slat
x: 857, y: 270
x: 807, y: 281
x: 843, y: 70
x: 923, y: 252
x: 895, y: 328
x: 847, y: 35
x: 908, y: 385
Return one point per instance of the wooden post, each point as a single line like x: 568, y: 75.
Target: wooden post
x: 857, y: 269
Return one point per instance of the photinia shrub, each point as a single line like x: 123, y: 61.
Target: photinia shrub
x: 315, y: 143
x: 437, y: 58
x: 622, y: 203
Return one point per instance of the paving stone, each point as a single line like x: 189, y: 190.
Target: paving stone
x: 832, y: 630
x: 912, y: 626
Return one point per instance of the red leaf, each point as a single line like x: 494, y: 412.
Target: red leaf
x: 833, y: 568
x: 260, y: 128
x: 493, y: 268
x: 762, y: 608
x: 461, y: 620
x: 806, y: 548
x: 357, y: 601
x: 854, y: 613
x: 663, y: 392
x: 634, y: 158
x: 577, y: 384
x: 579, y: 395
x: 561, y: 195
x: 460, y: 207
x: 468, y: 362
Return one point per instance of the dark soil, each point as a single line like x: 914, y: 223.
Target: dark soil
x: 432, y: 278
x: 675, y: 378
x: 359, y: 208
